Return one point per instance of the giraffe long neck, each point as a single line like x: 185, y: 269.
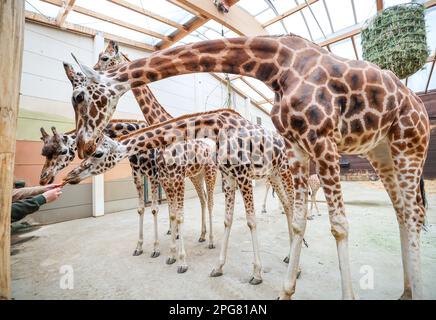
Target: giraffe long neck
x: 265, y: 58
x: 152, y: 110
x: 210, y: 124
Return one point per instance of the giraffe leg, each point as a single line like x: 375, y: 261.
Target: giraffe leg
x: 265, y: 197
x: 246, y: 187
x: 314, y: 202
x: 408, y: 166
x: 180, y: 197
x: 137, y: 177
x: 328, y: 170
x: 154, y: 211
x: 210, y: 177
x: 300, y: 174
x: 310, y: 216
x: 172, y: 211
x: 197, y: 181
x: 229, y: 185
x: 285, y: 197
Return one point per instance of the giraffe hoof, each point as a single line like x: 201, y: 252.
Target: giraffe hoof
x: 177, y: 238
x: 168, y: 232
x: 211, y: 246
x: 202, y: 239
x: 155, y: 254
x: 137, y: 252
x: 298, y: 274
x: 283, y: 212
x: 182, y: 269
x: 254, y: 281
x: 171, y: 260
x: 264, y: 211
x: 216, y: 273
x: 286, y: 259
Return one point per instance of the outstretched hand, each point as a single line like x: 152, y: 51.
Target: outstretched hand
x: 52, y: 186
x: 52, y: 195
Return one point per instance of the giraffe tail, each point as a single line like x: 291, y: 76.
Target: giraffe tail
x: 424, y: 201
x: 422, y: 190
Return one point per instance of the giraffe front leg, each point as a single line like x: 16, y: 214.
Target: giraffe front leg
x: 197, y: 181
x: 210, y: 177
x: 137, y: 177
x: 183, y: 266
x: 154, y: 212
x: 327, y: 165
x: 173, y: 226
x: 268, y: 185
x: 246, y: 187
x: 229, y: 191
x: 300, y: 174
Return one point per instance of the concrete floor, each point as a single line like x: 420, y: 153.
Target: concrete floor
x: 98, y: 252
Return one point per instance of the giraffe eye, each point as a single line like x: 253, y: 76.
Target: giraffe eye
x: 104, y: 59
x: 98, y: 154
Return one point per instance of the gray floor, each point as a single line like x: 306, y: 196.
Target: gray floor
x: 97, y: 253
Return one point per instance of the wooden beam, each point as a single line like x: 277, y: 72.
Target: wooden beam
x: 429, y: 76
x: 430, y: 4
x: 240, y: 92
x: 130, y: 6
x: 237, y: 20
x: 289, y: 12
x: 353, y: 41
x: 254, y: 88
x: 11, y: 53
x: 198, y: 22
x: 40, y: 19
x: 64, y: 11
x: 340, y: 37
x: 109, y: 19
x: 379, y: 5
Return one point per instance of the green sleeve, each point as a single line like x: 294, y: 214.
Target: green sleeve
x: 22, y: 208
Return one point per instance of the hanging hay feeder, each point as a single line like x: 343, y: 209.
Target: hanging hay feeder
x: 396, y: 39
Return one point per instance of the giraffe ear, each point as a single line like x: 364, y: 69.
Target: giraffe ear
x: 88, y: 71
x: 114, y: 45
x: 69, y: 70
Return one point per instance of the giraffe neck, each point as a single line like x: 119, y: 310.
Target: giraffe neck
x: 152, y: 110
x: 199, y: 125
x: 268, y: 59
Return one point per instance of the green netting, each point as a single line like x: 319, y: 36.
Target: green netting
x: 396, y: 39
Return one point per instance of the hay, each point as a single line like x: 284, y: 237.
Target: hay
x: 396, y: 39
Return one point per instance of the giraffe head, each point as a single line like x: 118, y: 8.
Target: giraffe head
x: 94, y: 101
x: 108, y: 154
x: 59, y: 151
x: 110, y: 57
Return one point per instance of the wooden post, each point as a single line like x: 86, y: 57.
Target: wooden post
x: 11, y: 53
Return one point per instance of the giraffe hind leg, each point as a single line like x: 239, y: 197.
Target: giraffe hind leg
x: 197, y: 181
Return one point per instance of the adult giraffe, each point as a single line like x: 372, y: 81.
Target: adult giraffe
x: 324, y: 105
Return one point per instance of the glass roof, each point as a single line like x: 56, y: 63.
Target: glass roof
x: 155, y: 22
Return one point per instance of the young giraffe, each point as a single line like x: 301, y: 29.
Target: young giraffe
x: 245, y: 151
x: 154, y: 113
x: 147, y: 164
x: 324, y: 105
x: 313, y: 184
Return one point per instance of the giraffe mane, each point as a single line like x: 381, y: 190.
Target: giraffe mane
x: 149, y: 128
x: 126, y: 121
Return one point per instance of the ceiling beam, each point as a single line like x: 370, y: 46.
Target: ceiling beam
x: 340, y: 37
x: 131, y: 6
x: 289, y: 12
x: 379, y: 5
x: 64, y: 11
x: 40, y: 19
x: 254, y: 89
x: 240, y: 92
x: 237, y: 19
x: 197, y: 23
x: 109, y: 19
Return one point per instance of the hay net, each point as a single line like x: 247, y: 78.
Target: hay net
x: 396, y: 39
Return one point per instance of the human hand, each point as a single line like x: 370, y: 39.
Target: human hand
x: 52, y: 186
x: 52, y: 195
